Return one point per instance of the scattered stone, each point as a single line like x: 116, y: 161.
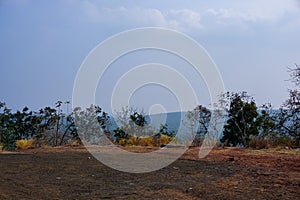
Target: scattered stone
x: 231, y: 159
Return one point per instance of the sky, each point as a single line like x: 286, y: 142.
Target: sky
x: 43, y: 43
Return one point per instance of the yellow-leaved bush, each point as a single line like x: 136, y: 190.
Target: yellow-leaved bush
x: 25, y: 144
x: 149, y: 141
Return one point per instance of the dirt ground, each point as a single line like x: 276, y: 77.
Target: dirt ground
x: 72, y: 173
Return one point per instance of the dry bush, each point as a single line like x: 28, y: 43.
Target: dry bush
x: 258, y: 142
x: 25, y: 144
x: 164, y: 140
x: 122, y: 142
x: 146, y: 141
x: 273, y: 141
x: 1, y: 147
x: 149, y: 141
x: 280, y: 141
x: 133, y: 140
x: 74, y: 143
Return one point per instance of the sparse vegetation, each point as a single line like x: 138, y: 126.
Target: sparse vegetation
x: 246, y: 125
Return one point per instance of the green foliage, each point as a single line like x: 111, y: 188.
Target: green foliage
x: 55, y: 127
x: 163, y: 130
x: 266, y: 120
x: 16, y: 126
x: 242, y: 120
x: 48, y: 126
x: 6, y: 138
x: 245, y: 126
x: 138, y: 119
x: 119, y: 134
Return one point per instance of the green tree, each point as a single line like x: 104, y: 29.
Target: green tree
x: 138, y: 119
x: 133, y: 122
x: 164, y: 130
x: 15, y: 126
x: 267, y: 120
x: 55, y: 127
x: 6, y: 138
x: 242, y: 120
x: 120, y: 134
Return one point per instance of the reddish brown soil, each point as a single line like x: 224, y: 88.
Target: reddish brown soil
x: 72, y: 173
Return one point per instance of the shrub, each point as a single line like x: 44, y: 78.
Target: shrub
x: 258, y: 142
x: 164, y: 140
x: 122, y: 142
x: 74, y: 142
x: 133, y: 140
x: 280, y: 141
x: 1, y: 147
x: 146, y: 141
x: 25, y: 144
x: 271, y: 141
x: 8, y: 141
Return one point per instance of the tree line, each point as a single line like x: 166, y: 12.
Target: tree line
x: 246, y: 125
x: 250, y: 125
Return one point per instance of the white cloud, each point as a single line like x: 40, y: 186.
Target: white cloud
x: 187, y: 20
x: 182, y: 20
x: 255, y: 10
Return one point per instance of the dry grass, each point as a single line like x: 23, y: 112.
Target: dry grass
x: 74, y: 143
x: 259, y: 142
x: 145, y: 141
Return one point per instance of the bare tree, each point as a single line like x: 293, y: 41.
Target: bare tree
x: 295, y: 74
x: 289, y: 116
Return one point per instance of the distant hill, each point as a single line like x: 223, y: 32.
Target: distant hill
x: 172, y: 119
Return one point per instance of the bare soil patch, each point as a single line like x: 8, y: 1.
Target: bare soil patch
x: 73, y: 173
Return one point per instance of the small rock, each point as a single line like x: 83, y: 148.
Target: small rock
x: 231, y: 159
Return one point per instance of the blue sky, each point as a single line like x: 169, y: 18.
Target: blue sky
x: 43, y: 43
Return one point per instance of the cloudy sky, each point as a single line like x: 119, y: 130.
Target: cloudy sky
x: 43, y: 43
